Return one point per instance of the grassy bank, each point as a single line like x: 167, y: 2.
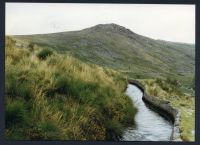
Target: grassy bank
x: 57, y: 97
x: 170, y: 90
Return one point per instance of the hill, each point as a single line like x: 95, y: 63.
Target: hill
x: 83, y: 73
x: 117, y: 47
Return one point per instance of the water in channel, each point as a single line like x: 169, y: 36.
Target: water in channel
x: 150, y: 126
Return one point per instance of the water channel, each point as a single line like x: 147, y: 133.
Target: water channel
x: 150, y: 126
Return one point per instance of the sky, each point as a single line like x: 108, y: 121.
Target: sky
x: 158, y: 21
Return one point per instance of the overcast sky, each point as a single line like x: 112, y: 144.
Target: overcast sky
x: 166, y: 22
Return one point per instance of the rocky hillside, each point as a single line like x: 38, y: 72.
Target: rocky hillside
x: 117, y: 47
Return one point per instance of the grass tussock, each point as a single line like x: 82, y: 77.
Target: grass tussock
x: 170, y: 90
x: 44, y: 53
x: 15, y: 112
x: 57, y: 97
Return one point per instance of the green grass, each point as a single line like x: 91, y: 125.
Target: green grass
x: 70, y: 81
x: 44, y: 53
x: 115, y: 47
x: 16, y: 112
x: 62, y: 98
x: 169, y: 90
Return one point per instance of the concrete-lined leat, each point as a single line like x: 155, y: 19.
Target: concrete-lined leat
x: 163, y: 108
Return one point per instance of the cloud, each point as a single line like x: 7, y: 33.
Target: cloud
x: 167, y: 22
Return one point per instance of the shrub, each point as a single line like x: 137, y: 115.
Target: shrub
x: 44, y: 53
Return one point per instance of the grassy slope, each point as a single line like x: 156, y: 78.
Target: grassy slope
x: 60, y: 97
x: 134, y: 55
x: 169, y: 90
x: 117, y: 47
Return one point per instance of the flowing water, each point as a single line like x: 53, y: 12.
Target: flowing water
x: 150, y: 126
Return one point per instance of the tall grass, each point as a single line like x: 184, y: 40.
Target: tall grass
x: 16, y: 112
x: 169, y: 89
x: 66, y: 98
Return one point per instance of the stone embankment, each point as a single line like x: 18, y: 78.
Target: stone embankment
x: 163, y: 108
